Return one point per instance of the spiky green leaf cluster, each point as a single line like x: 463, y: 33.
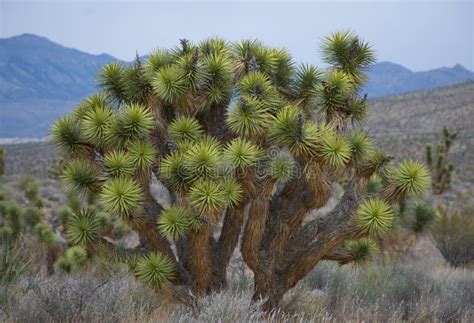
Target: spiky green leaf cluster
x: 62, y: 264
x: 240, y: 153
x: 411, y: 177
x: 154, y: 269
x: 422, y: 216
x: 374, y: 185
x: 282, y: 168
x: 258, y: 86
x: 307, y: 79
x: 84, y: 227
x: 362, y: 146
x: 121, y: 195
x: 80, y: 175
x: 346, y: 51
x: 185, y: 128
x: 289, y: 128
x: 335, y: 150
x: 136, y: 121
x: 136, y: 85
x: 375, y: 216
x: 248, y: 117
x: 202, y: 160
x: 174, y: 172
x: 67, y: 135
x: 361, y: 250
x: 218, y: 75
x: 175, y: 221
x: 118, y: 163
x: 207, y: 196
x: 76, y: 255
x: 251, y: 55
x: 64, y: 214
x: 169, y: 83
x: 45, y: 233
x: 96, y: 101
x: 284, y: 68
x: 95, y: 124
x: 142, y: 154
x: 336, y: 88
x: 156, y: 60
x: 110, y: 78
x: 233, y: 191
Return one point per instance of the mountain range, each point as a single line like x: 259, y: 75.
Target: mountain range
x: 41, y: 80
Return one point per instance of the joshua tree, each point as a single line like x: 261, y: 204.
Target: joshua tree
x: 246, y: 144
x: 441, y: 170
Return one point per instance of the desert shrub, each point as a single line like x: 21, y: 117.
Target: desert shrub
x: 12, y: 266
x: 80, y: 298
x: 11, y: 218
x: 453, y: 235
x: 400, y: 292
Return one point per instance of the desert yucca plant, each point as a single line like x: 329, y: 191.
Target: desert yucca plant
x: 175, y: 222
x: 208, y: 196
x: 154, y: 269
x: 375, y: 216
x: 84, y: 227
x: 241, y: 153
x: 438, y: 162
x: 362, y: 250
x: 121, y: 195
x: 453, y: 235
x: 247, y: 144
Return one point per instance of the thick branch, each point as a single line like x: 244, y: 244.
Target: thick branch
x: 289, y: 207
x: 225, y: 246
x: 320, y: 237
x: 255, y: 226
x: 217, y: 123
x: 145, y: 225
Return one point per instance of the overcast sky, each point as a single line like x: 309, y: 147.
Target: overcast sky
x: 420, y: 35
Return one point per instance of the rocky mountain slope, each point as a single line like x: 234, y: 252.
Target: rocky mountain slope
x: 41, y: 80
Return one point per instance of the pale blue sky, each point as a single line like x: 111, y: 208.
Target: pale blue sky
x: 418, y: 34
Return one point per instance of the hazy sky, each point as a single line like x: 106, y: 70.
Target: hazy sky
x: 418, y: 34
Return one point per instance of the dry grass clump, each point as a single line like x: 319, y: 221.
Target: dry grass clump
x: 79, y: 298
x: 409, y: 292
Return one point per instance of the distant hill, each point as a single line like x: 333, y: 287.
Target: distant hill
x: 33, y: 67
x: 387, y: 78
x: 404, y: 124
x: 41, y: 80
